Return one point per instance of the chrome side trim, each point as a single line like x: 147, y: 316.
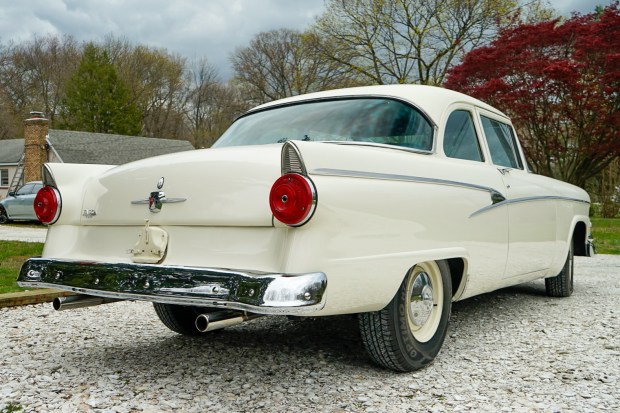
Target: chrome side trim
x: 255, y: 291
x: 527, y: 199
x: 395, y: 177
x: 497, y: 198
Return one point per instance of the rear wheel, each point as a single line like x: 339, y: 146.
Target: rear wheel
x: 408, y: 333
x: 4, y: 218
x: 179, y: 318
x: 562, y: 285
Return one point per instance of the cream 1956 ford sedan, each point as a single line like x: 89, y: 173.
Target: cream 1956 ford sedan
x: 390, y: 202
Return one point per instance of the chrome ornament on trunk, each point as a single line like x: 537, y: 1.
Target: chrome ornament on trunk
x: 156, y: 199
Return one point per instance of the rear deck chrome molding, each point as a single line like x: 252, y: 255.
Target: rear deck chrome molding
x: 162, y: 200
x: 255, y: 291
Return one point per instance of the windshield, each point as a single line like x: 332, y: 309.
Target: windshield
x: 372, y: 120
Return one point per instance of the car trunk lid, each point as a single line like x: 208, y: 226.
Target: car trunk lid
x: 214, y: 187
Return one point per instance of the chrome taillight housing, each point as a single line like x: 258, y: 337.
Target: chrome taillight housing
x: 47, y: 205
x: 293, y: 199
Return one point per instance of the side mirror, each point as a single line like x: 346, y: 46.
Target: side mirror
x: 12, y: 193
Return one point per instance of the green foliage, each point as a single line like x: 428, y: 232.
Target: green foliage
x: 97, y: 100
x: 12, y: 256
x: 559, y: 82
x: 606, y: 233
x: 12, y: 408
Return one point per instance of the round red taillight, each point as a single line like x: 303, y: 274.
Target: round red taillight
x: 47, y: 205
x: 292, y: 199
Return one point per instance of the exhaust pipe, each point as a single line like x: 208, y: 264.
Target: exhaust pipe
x: 221, y: 319
x: 80, y: 301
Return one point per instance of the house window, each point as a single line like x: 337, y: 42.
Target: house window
x: 4, y: 177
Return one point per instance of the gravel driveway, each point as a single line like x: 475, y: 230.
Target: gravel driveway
x: 515, y: 350
x: 22, y: 232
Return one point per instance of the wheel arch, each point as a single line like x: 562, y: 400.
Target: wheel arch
x: 458, y: 271
x: 6, y: 211
x: 579, y: 238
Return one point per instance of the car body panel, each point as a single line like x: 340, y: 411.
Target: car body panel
x: 19, y: 205
x: 381, y: 209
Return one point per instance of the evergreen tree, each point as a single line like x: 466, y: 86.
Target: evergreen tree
x: 97, y: 100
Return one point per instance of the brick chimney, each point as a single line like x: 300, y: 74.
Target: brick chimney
x: 35, y: 153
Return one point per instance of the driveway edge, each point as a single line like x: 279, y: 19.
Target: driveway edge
x: 31, y: 297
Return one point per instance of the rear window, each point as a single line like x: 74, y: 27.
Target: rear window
x: 370, y: 120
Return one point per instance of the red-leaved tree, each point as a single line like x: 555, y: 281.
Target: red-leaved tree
x: 560, y: 84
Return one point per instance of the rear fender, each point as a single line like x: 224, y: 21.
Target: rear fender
x: 69, y: 180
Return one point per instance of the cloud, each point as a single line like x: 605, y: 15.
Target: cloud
x: 567, y: 7
x: 191, y: 28
x: 194, y: 29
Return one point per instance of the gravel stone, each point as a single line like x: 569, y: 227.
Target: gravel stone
x: 514, y: 350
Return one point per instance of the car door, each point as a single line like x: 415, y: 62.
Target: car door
x: 488, y: 226
x: 21, y: 207
x: 529, y: 201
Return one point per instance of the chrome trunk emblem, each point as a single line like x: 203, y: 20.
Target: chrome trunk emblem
x: 156, y: 199
x: 89, y: 213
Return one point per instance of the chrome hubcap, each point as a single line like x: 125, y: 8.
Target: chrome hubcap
x: 421, y: 301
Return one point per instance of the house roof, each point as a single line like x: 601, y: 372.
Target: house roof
x: 101, y: 148
x: 11, y: 150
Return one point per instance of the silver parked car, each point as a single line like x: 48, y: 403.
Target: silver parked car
x: 19, y: 205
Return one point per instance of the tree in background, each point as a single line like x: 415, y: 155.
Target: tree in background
x: 606, y: 190
x: 560, y: 83
x: 173, y: 98
x: 211, y: 105
x: 412, y: 41
x: 33, y: 77
x: 157, y: 85
x: 282, y: 63
x: 97, y: 100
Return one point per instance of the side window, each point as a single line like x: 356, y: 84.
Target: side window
x: 25, y: 190
x: 502, y: 143
x: 459, y: 139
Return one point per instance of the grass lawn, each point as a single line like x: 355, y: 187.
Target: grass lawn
x: 606, y: 233
x: 12, y: 256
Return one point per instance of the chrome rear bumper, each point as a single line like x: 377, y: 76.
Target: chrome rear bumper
x: 258, y: 292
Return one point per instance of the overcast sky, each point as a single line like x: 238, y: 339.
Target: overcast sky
x: 194, y: 29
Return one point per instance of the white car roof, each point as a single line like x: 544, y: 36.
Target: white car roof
x: 431, y: 99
